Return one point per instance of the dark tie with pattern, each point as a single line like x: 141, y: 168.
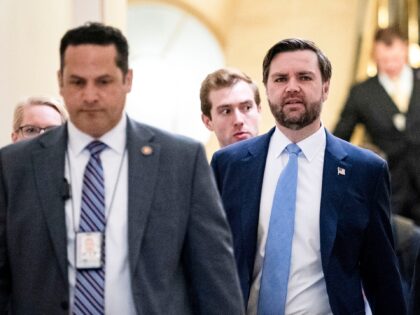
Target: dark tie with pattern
x: 89, y: 293
x: 275, y: 273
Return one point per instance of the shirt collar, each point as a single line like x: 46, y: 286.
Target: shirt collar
x: 115, y: 139
x: 406, y: 76
x: 310, y: 146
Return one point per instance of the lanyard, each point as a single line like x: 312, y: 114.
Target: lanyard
x: 107, y: 211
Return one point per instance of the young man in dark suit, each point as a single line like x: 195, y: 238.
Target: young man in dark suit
x: 388, y: 106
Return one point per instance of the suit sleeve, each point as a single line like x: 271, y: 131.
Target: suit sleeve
x: 213, y: 164
x: 209, y: 250
x: 349, y: 117
x: 4, y: 264
x: 415, y: 290
x: 379, y: 267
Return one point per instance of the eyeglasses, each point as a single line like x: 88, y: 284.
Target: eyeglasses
x: 29, y: 131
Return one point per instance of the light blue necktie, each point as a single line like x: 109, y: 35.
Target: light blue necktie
x: 89, y: 292
x: 275, y: 273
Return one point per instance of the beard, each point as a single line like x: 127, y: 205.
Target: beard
x: 292, y: 120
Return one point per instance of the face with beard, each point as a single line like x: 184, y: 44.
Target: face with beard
x: 295, y: 90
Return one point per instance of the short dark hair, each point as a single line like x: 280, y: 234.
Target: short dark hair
x: 293, y: 44
x: 388, y: 35
x: 97, y: 34
x: 222, y: 78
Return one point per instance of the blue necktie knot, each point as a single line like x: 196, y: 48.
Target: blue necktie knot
x: 293, y: 148
x: 96, y: 147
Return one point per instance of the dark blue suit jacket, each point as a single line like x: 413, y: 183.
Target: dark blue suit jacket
x: 355, y: 232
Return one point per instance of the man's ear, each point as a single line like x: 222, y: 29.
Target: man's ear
x: 60, y: 79
x: 325, y: 90
x: 207, y: 122
x: 128, y: 80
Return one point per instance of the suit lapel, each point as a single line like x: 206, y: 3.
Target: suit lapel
x: 48, y: 165
x: 413, y: 107
x: 335, y: 179
x: 253, y: 165
x: 143, y: 162
x: 388, y: 106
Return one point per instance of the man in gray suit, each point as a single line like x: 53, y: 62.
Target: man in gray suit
x: 106, y: 215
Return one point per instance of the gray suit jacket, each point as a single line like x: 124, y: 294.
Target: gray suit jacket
x: 180, y: 247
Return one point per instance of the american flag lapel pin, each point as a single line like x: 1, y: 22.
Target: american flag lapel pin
x: 341, y: 171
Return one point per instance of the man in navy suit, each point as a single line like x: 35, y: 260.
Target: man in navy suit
x: 342, y: 239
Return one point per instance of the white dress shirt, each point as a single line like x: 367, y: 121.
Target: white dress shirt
x: 118, y: 293
x: 403, y: 85
x: 306, y: 291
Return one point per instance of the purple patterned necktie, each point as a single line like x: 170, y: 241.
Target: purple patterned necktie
x: 89, y: 293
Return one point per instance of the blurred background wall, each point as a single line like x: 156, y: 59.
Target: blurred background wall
x: 188, y: 34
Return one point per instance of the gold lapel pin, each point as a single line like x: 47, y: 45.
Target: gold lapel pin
x: 147, y: 150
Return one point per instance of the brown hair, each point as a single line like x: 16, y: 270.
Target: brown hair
x: 222, y: 78
x: 294, y: 44
x: 388, y: 35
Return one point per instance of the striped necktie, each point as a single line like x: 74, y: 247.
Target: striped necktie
x: 278, y: 249
x: 89, y: 293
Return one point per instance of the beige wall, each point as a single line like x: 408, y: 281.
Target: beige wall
x: 29, y: 59
x: 245, y: 29
x: 216, y: 14
x: 29, y: 55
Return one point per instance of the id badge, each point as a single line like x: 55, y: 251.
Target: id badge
x: 88, y: 250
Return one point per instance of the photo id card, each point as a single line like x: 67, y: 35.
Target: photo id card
x: 88, y: 250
